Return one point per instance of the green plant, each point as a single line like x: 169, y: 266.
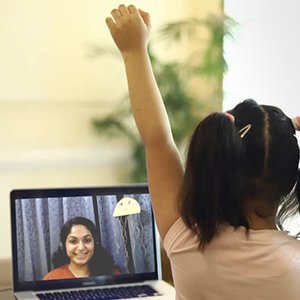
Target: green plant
x: 173, y: 78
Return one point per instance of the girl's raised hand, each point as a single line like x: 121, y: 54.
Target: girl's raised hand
x: 130, y: 28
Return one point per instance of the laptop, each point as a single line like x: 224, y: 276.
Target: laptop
x: 86, y: 243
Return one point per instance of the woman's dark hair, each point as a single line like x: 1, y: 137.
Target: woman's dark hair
x: 224, y: 170
x: 101, y: 262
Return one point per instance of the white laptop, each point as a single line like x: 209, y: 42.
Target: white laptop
x: 123, y: 261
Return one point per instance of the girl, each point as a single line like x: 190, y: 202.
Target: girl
x: 217, y: 216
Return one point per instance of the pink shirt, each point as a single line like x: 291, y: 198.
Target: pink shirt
x: 264, y: 266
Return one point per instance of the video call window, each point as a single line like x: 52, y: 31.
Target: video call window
x: 111, y: 234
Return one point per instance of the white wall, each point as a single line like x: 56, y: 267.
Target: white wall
x: 264, y: 61
x: 264, y: 58
x: 50, y: 90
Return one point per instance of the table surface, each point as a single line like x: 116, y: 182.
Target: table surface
x: 7, y: 295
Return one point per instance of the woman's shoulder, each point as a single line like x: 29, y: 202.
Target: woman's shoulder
x: 116, y: 271
x: 61, y: 272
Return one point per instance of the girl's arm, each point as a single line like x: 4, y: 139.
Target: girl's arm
x: 130, y: 29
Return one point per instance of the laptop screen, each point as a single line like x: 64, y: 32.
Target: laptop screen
x: 71, y: 237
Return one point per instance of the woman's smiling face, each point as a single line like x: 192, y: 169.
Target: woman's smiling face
x: 80, y: 245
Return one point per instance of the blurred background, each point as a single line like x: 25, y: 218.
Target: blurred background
x: 54, y: 83
x: 62, y: 88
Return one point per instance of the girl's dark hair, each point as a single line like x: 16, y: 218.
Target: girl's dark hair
x: 223, y: 169
x: 101, y: 262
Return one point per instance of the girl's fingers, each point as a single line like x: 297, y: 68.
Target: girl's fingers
x: 116, y: 14
x: 296, y: 123
x: 132, y: 9
x: 110, y: 23
x: 123, y: 10
x: 146, y: 17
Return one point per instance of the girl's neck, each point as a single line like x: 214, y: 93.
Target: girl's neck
x: 79, y: 271
x: 257, y: 223
x: 261, y: 215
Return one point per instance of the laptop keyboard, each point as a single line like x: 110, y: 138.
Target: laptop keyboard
x: 138, y: 291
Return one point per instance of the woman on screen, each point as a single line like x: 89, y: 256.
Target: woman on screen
x: 79, y: 254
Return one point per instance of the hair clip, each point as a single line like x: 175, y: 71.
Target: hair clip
x: 296, y: 123
x: 244, y: 130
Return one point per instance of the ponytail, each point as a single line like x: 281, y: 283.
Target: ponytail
x: 298, y: 190
x: 289, y: 207
x: 213, y: 182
